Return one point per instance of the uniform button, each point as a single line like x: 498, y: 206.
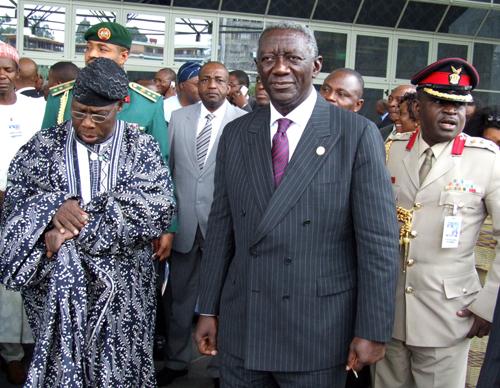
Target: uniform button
x: 461, y: 204
x: 464, y: 290
x: 288, y: 261
x: 409, y: 290
x: 410, y: 262
x: 414, y: 233
x: 417, y: 205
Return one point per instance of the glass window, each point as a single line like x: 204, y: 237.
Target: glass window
x: 148, y: 36
x: 447, y: 50
x: 332, y: 46
x: 291, y: 8
x: 238, y: 39
x: 487, y: 63
x: 412, y: 57
x: 155, y: 2
x: 486, y: 98
x: 371, y: 97
x: 44, y: 28
x: 338, y: 11
x: 193, y: 40
x: 85, y: 18
x: 205, y: 4
x: 8, y: 22
x: 491, y: 26
x: 462, y: 20
x: 380, y: 12
x: 249, y: 6
x: 422, y: 16
x: 371, y: 55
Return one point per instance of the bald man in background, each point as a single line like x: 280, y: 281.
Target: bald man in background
x: 28, y: 78
x: 393, y: 107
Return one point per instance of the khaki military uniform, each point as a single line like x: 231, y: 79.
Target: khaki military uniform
x: 436, y: 282
x: 145, y: 108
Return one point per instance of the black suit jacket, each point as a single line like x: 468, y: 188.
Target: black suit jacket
x: 490, y: 372
x: 295, y: 273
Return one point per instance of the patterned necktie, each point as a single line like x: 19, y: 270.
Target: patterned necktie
x: 279, y: 151
x: 426, y: 165
x: 203, y: 140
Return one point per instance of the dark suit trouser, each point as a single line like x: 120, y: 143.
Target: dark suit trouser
x: 234, y: 375
x: 183, y: 279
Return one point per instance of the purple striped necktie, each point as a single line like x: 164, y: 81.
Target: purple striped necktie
x: 279, y: 151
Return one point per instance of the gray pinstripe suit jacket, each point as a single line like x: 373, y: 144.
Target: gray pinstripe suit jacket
x: 295, y: 273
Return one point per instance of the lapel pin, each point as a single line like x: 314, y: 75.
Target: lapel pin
x: 320, y: 150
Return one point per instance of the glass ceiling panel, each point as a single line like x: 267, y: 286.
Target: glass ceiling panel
x: 491, y: 26
x: 462, y: 20
x: 204, y: 4
x: 291, y: 8
x: 380, y: 12
x: 249, y: 6
x: 422, y: 16
x: 337, y: 11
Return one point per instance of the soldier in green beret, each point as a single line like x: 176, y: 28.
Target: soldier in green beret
x: 145, y: 107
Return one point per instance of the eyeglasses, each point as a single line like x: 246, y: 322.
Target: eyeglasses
x: 96, y: 118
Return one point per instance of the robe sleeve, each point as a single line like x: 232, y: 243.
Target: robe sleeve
x: 137, y: 210
x: 30, y: 203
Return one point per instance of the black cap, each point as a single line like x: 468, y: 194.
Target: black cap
x: 100, y: 83
x: 450, y: 79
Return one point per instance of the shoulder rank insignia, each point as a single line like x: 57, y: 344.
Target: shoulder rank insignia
x: 479, y: 142
x: 145, y: 92
x: 61, y: 88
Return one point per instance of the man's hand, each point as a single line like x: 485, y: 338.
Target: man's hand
x: 363, y: 352
x: 54, y: 239
x: 205, y: 335
x: 162, y: 246
x: 480, y: 327
x: 70, y: 217
x: 239, y: 99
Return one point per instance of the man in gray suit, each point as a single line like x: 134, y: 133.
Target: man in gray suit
x: 299, y: 269
x: 196, y: 130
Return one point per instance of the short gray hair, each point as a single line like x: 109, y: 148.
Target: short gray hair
x: 312, y: 46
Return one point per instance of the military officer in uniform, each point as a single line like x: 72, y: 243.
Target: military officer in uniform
x: 445, y: 184
x: 144, y: 107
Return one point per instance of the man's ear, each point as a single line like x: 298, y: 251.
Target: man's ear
x: 359, y: 105
x: 120, y: 106
x: 317, y: 64
x: 123, y: 57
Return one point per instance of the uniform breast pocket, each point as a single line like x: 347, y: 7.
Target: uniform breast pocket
x: 459, y: 202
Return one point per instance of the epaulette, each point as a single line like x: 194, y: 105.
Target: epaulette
x: 399, y: 136
x: 61, y: 88
x: 479, y: 142
x: 145, y: 92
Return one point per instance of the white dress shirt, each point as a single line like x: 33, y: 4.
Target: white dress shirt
x: 216, y: 122
x: 299, y: 116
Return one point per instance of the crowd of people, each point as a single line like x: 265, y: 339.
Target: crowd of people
x: 312, y: 247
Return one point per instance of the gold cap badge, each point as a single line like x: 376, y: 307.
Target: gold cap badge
x: 454, y: 77
x: 104, y: 33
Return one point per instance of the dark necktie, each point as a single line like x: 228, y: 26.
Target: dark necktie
x: 426, y: 165
x: 203, y: 140
x: 279, y: 151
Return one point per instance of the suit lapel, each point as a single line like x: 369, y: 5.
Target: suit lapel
x: 257, y: 156
x: 229, y: 116
x: 189, y: 132
x: 302, y: 167
x: 410, y: 161
x: 444, y: 163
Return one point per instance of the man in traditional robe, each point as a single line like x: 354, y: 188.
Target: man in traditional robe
x: 84, y: 201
